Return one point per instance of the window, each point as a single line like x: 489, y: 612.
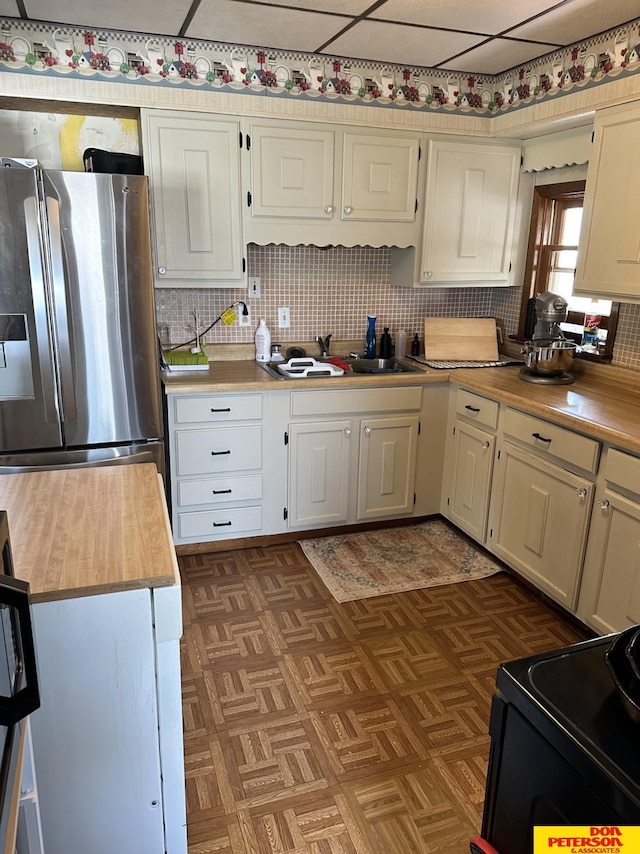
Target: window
x: 551, y: 261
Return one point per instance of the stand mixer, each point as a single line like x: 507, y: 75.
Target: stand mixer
x: 548, y: 354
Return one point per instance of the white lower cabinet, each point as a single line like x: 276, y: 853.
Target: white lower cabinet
x: 610, y: 590
x: 107, y: 738
x: 224, y: 450
x: 356, y: 468
x: 539, y: 522
x: 473, y: 420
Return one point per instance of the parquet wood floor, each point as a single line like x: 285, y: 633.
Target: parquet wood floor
x: 360, y: 728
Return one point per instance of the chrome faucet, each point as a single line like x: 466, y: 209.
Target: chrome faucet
x: 323, y: 344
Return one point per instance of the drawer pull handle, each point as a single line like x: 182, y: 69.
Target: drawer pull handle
x: 219, y: 453
x: 542, y: 438
x: 221, y: 524
x: 472, y: 408
x: 221, y: 491
x: 224, y: 409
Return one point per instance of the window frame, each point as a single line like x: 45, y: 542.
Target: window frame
x: 543, y: 238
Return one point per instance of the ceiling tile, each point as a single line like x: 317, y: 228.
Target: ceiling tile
x: 578, y: 20
x: 354, y: 7
x: 9, y: 8
x: 141, y: 17
x: 479, y: 16
x: 497, y: 56
x: 396, y: 43
x: 262, y: 26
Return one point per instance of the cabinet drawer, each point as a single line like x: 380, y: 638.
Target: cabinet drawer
x: 218, y: 407
x: 330, y: 402
x: 551, y: 440
x: 476, y: 408
x: 218, y: 451
x: 623, y: 470
x: 212, y: 523
x: 219, y: 490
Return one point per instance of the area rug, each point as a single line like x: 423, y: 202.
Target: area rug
x: 393, y: 560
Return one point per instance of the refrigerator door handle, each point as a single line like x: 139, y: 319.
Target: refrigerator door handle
x: 60, y: 308
x: 43, y: 333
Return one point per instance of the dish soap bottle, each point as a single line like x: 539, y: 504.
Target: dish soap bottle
x: 370, y: 339
x: 401, y: 343
x: 263, y: 342
x: 385, y: 344
x: 415, y: 345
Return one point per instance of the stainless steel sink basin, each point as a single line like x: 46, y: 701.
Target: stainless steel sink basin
x: 358, y: 366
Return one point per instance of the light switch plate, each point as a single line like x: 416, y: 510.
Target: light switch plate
x: 254, y: 287
x: 284, y: 318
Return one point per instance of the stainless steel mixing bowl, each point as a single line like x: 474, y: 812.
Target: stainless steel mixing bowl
x: 549, y: 357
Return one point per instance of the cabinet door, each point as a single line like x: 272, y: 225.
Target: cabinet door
x: 387, y: 462
x: 610, y: 589
x: 292, y: 172
x: 472, y: 455
x: 470, y: 212
x: 540, y: 524
x: 609, y: 256
x: 379, y: 178
x: 319, y: 473
x: 194, y: 176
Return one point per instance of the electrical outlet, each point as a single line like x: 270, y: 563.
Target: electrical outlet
x: 284, y: 318
x: 244, y: 319
x: 254, y: 287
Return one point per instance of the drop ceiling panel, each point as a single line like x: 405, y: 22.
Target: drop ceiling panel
x: 9, y: 8
x: 578, y: 20
x: 479, y: 16
x: 400, y: 44
x: 139, y: 17
x: 350, y: 10
x: 280, y: 28
x: 497, y: 56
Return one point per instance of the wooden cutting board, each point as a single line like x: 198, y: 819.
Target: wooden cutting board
x: 460, y: 338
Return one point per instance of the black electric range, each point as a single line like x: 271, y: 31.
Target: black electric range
x: 564, y: 750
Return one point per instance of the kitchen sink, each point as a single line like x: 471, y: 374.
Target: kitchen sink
x: 315, y: 368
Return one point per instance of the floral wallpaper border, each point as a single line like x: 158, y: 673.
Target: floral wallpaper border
x: 31, y: 48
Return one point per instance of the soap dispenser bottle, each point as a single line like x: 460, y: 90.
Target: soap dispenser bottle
x: 263, y: 342
x: 370, y: 339
x: 385, y: 344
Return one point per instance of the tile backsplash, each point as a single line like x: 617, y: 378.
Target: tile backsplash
x: 332, y: 290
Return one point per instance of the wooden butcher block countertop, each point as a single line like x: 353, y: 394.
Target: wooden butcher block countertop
x: 81, y: 532
x: 605, y: 407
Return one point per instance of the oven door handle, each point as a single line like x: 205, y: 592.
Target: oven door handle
x: 14, y: 593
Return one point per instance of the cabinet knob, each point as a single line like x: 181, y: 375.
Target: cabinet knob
x: 328, y: 208
x: 348, y: 209
x: 485, y: 446
x: 604, y: 504
x: 427, y: 275
x: 162, y: 271
x: 581, y: 492
x: 368, y: 430
x: 347, y: 431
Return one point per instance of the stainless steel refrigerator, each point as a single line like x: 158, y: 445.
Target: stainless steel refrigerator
x: 79, y: 379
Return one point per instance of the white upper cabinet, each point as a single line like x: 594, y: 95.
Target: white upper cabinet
x: 379, y: 178
x: 193, y: 163
x: 331, y: 185
x: 609, y: 251
x: 292, y: 171
x: 470, y: 208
